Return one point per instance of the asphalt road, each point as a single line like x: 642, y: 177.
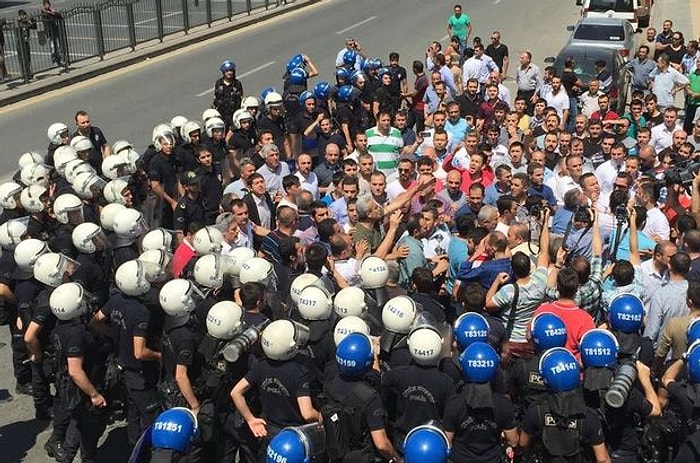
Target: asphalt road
x: 128, y: 103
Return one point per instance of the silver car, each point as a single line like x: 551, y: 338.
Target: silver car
x: 612, y: 33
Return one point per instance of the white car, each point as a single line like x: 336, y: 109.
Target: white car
x: 635, y: 11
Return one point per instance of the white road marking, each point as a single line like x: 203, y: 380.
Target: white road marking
x: 365, y: 21
x: 245, y: 74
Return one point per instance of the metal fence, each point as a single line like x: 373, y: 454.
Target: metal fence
x: 35, y: 44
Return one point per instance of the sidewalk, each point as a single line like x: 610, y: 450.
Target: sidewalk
x: 55, y: 79
x: 685, y: 15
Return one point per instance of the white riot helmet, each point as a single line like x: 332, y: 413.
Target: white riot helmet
x: 31, y: 198
x: 35, y: 174
x: 88, y: 238
x: 224, y: 320
x: 425, y: 344
x: 273, y: 99
x: 130, y: 223
x: 215, y: 123
x: 68, y: 301
x: 73, y: 168
x: 256, y: 270
x: 299, y: 283
x: 373, y: 272
x: 81, y: 143
x: 114, y: 166
x: 108, y: 213
x: 238, y: 257
x: 177, y: 122
x: 157, y: 265
x: 10, y: 195
x: 113, y: 191
x: 250, y: 102
x: 56, y: 132
x: 51, y: 268
x: 31, y: 157
x: 62, y: 156
x: 27, y: 252
x: 131, y: 278
x: 121, y: 145
x: 348, y: 325
x: 315, y: 303
x: 208, y: 240
x: 241, y: 115
x: 158, y: 238
x: 398, y: 314
x: 126, y: 151
x: 179, y: 297
x: 210, y: 270
x: 161, y: 131
x: 210, y: 113
x: 11, y: 233
x: 349, y: 302
x: 282, y: 339
x: 88, y: 185
x: 68, y: 209
x: 188, y: 128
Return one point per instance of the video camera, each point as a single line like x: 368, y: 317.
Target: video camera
x: 582, y: 214
x: 682, y: 173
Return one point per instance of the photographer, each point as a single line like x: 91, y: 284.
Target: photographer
x: 578, y: 234
x: 563, y: 215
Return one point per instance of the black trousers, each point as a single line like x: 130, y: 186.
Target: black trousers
x: 87, y: 426
x: 143, y: 405
x: 41, y: 392
x: 22, y: 368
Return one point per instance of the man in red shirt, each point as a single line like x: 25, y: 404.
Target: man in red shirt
x: 577, y: 320
x: 185, y: 250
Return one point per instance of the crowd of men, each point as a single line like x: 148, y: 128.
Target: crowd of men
x: 423, y: 272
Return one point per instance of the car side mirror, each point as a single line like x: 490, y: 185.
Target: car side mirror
x: 570, y: 28
x: 549, y: 59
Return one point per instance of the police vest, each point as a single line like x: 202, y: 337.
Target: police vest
x: 561, y: 436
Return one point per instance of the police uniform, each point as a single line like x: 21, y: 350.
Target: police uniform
x: 130, y: 318
x: 9, y: 313
x: 188, y: 211
x: 62, y: 241
x: 523, y: 377
x: 93, y: 274
x: 72, y: 339
x: 211, y: 191
x: 227, y: 98
x: 41, y: 226
x: 98, y: 140
x: 179, y: 348
x: 162, y: 168
x: 477, y: 427
x: 277, y: 127
x: 420, y: 394
x: 185, y: 157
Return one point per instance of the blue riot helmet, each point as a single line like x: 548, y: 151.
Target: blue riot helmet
x: 287, y: 447
x: 479, y: 362
x: 426, y: 443
x: 298, y: 76
x: 599, y: 348
x: 382, y: 71
x: 345, y: 93
x: 547, y: 330
x: 349, y: 58
x: 342, y: 73
x: 692, y: 358
x: 355, y: 75
x: 174, y: 429
x: 470, y: 327
x: 692, y: 333
x: 626, y: 313
x: 354, y: 354
x: 296, y: 61
x: 266, y: 92
x: 322, y: 90
x: 307, y: 95
x: 559, y: 369
x: 227, y: 65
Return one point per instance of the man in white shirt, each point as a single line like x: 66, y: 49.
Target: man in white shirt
x: 479, y: 67
x: 606, y: 173
x: 558, y: 99
x: 662, y: 134
x: 308, y: 179
x: 273, y: 170
x: 657, y: 227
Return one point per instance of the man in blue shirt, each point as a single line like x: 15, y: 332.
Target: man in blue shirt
x: 537, y: 187
x: 494, y: 247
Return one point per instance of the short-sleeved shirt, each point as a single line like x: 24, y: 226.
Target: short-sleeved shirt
x: 459, y: 25
x: 129, y: 319
x: 576, y: 320
x: 530, y: 296
x: 162, y: 169
x: 280, y: 384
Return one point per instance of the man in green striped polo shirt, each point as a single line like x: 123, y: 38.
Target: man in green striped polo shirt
x: 384, y: 144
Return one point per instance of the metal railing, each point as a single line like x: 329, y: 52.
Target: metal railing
x: 83, y: 32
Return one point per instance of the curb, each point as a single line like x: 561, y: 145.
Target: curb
x: 130, y: 58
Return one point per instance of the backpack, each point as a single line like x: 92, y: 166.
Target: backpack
x: 342, y: 420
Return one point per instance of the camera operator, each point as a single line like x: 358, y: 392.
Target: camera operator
x: 578, y: 235
x: 563, y: 215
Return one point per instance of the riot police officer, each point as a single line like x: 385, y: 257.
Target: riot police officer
x: 79, y: 370
x: 599, y: 352
x: 418, y: 392
x: 93, y: 256
x: 563, y: 424
x: 190, y: 208
x: 128, y: 317
x: 398, y: 315
x: 281, y: 380
x: 228, y: 91
x: 476, y: 418
x: 69, y: 214
x: 169, y: 439
x: 470, y: 327
x: 427, y: 442
x: 129, y: 225
x: 35, y: 200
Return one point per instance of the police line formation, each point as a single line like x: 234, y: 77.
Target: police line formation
x: 234, y: 311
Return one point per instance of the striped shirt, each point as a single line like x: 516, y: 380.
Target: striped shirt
x: 385, y: 149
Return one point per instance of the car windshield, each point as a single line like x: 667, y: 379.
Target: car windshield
x: 620, y: 6
x: 585, y: 65
x: 601, y: 32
